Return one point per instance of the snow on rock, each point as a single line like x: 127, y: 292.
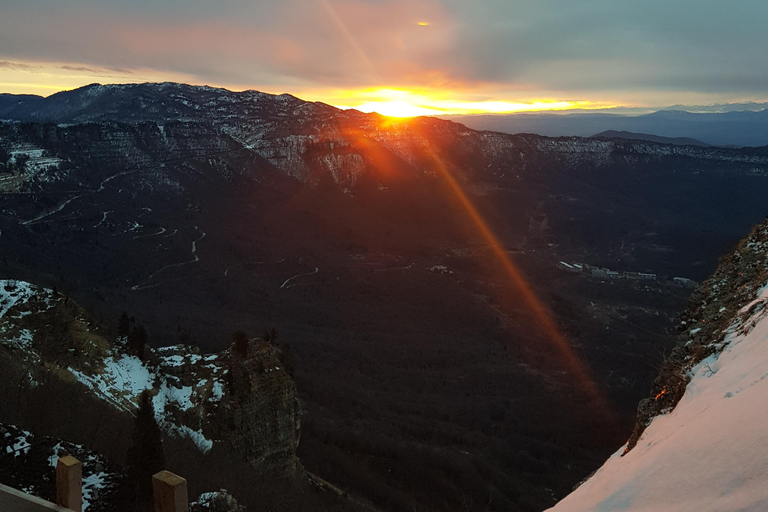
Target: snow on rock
x: 91, y: 486
x: 14, y: 292
x: 28, y: 459
x: 121, y: 380
x: 21, y: 341
x: 219, y: 501
x: 710, y: 454
x: 19, y: 299
x: 16, y: 442
x: 123, y: 377
x: 203, y: 443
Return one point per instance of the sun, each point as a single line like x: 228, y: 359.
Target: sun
x: 412, y: 103
x: 397, y: 108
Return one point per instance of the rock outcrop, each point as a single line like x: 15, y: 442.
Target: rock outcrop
x: 219, y: 501
x: 260, y: 415
x: 700, y: 441
x: 725, y: 296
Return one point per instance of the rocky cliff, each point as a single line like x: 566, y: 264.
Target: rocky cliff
x: 726, y: 301
x: 700, y: 439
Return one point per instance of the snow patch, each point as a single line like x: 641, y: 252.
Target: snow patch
x: 14, y: 292
x: 709, y: 453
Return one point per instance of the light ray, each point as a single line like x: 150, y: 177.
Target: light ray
x: 540, y: 313
x: 348, y: 37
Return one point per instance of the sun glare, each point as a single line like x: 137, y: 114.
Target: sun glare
x: 402, y: 103
x: 396, y: 108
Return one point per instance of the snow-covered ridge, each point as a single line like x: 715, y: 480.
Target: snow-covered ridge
x: 14, y: 292
x: 244, y: 399
x: 706, y: 449
x: 710, y: 452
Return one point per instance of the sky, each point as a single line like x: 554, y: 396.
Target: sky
x: 440, y: 56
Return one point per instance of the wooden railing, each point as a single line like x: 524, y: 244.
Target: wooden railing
x: 169, y: 490
x: 17, y: 501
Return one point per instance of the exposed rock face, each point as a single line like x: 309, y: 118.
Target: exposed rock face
x: 246, y: 401
x: 219, y: 501
x: 700, y: 441
x: 260, y: 416
x: 727, y: 295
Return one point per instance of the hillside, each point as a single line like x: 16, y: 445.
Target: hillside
x: 702, y: 442
x: 60, y: 367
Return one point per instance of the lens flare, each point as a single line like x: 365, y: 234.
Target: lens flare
x: 540, y: 313
x: 411, y: 103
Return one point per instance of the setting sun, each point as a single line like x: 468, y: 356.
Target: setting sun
x: 397, y: 108
x: 403, y: 103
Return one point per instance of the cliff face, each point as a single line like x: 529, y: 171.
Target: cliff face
x: 724, y: 300
x: 261, y: 415
x: 249, y: 403
x: 700, y: 442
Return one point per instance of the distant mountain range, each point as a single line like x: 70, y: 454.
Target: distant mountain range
x: 729, y: 128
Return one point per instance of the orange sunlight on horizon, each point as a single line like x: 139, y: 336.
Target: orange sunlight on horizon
x: 405, y: 103
x: 45, y: 78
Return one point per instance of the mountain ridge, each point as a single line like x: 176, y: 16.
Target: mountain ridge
x: 726, y: 129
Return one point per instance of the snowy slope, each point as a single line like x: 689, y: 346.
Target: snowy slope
x: 711, y: 452
x: 185, y: 384
x: 123, y: 377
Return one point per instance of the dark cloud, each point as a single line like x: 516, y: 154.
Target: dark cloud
x: 5, y: 64
x: 79, y: 68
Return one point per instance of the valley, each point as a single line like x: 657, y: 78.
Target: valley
x: 426, y: 380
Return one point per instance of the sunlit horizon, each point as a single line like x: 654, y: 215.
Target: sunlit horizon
x: 405, y: 103
x: 47, y: 78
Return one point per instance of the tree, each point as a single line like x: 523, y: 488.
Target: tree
x: 240, y: 340
x: 271, y: 336
x: 123, y: 325
x: 145, y: 456
x: 137, y: 341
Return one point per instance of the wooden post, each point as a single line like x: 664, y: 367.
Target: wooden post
x: 69, y: 483
x: 170, y: 492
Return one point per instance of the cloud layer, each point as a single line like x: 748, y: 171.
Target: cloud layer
x: 595, y: 50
